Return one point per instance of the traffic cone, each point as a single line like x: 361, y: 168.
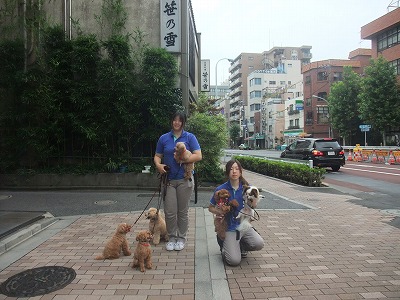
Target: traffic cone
x: 350, y: 156
x: 357, y: 156
x: 398, y: 159
x: 365, y: 156
x: 381, y: 158
x: 374, y: 159
x: 391, y: 159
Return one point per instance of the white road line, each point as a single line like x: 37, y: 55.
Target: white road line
x: 369, y: 171
x: 372, y: 166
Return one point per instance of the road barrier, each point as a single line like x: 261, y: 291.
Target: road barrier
x: 381, y: 155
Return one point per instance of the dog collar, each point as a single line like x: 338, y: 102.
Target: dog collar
x: 145, y: 244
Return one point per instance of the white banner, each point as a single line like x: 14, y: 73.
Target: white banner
x: 205, y: 75
x: 170, y: 21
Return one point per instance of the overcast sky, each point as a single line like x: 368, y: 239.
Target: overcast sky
x: 331, y: 27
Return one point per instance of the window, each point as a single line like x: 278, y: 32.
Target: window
x: 251, y: 67
x: 289, y: 82
x: 337, y: 76
x: 322, y: 115
x: 389, y: 38
x: 251, y: 57
x: 282, y: 82
x: 308, y: 79
x: 309, y: 118
x: 251, y: 120
x: 255, y: 94
x: 297, y: 123
x: 272, y: 82
x: 308, y: 102
x: 396, y: 65
x: 290, y: 65
x: 255, y: 81
x: 322, y: 76
x: 322, y: 95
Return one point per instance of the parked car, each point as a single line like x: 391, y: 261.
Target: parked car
x: 244, y: 147
x: 324, y: 152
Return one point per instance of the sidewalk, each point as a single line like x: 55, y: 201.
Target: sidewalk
x: 333, y: 250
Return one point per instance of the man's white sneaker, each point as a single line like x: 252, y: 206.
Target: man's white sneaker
x: 170, y: 246
x: 179, y: 245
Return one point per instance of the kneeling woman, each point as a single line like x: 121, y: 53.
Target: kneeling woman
x: 236, y: 244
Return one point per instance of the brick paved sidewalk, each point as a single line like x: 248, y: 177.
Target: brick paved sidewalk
x: 338, y: 250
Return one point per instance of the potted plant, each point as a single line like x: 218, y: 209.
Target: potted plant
x: 111, y: 166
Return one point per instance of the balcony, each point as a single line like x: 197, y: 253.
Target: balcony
x: 294, y: 127
x: 293, y: 112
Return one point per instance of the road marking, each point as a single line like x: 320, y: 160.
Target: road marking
x: 373, y: 166
x: 369, y: 171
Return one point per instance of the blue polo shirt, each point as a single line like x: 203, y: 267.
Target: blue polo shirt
x: 233, y: 223
x: 166, y: 146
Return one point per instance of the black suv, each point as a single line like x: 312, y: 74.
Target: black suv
x: 324, y: 152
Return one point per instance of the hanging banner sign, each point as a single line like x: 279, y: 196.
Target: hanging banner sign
x: 170, y: 21
x: 205, y: 75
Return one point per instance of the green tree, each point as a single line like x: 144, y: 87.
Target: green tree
x: 380, y: 96
x: 211, y: 133
x: 343, y: 105
x: 234, y: 133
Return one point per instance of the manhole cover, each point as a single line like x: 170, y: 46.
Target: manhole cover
x: 38, y: 281
x: 105, y: 202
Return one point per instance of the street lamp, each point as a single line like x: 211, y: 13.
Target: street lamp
x: 329, y: 128
x: 216, y: 72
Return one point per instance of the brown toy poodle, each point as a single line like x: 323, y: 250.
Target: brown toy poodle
x: 157, y: 225
x: 181, y: 155
x: 118, y: 243
x: 223, y: 206
x: 142, y: 254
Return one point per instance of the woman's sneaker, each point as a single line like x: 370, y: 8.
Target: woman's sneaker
x: 179, y: 245
x: 170, y: 246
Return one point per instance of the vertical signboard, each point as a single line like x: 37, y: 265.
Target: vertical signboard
x: 170, y: 21
x: 205, y: 75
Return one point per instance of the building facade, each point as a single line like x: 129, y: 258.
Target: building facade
x: 384, y: 34
x: 166, y: 24
x: 317, y: 79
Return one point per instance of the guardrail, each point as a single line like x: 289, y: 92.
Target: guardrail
x: 292, y: 161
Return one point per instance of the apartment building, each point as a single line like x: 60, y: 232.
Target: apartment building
x: 240, y: 68
x: 317, y: 79
x: 384, y: 34
x: 264, y: 87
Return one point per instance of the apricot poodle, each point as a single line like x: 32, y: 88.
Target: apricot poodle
x: 181, y: 155
x: 117, y: 244
x: 157, y: 225
x: 223, y: 207
x: 142, y: 253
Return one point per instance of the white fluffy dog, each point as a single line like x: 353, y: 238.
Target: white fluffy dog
x: 251, y: 197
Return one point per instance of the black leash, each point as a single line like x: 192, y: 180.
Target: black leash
x: 163, y: 183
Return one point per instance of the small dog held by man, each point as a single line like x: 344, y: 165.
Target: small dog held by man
x: 181, y: 155
x: 223, y: 207
x: 117, y: 244
x: 142, y: 253
x: 157, y: 225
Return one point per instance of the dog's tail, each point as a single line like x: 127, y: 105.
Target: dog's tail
x: 100, y: 257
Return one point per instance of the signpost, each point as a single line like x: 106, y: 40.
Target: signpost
x: 364, y: 128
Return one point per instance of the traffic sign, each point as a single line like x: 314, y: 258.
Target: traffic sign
x: 364, y: 126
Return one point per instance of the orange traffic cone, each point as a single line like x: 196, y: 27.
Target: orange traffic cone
x: 350, y: 156
x: 374, y: 159
x: 391, y: 159
x: 381, y: 158
x: 357, y: 156
x: 398, y: 159
x: 365, y: 156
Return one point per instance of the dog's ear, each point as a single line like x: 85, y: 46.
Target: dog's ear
x: 245, y: 188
